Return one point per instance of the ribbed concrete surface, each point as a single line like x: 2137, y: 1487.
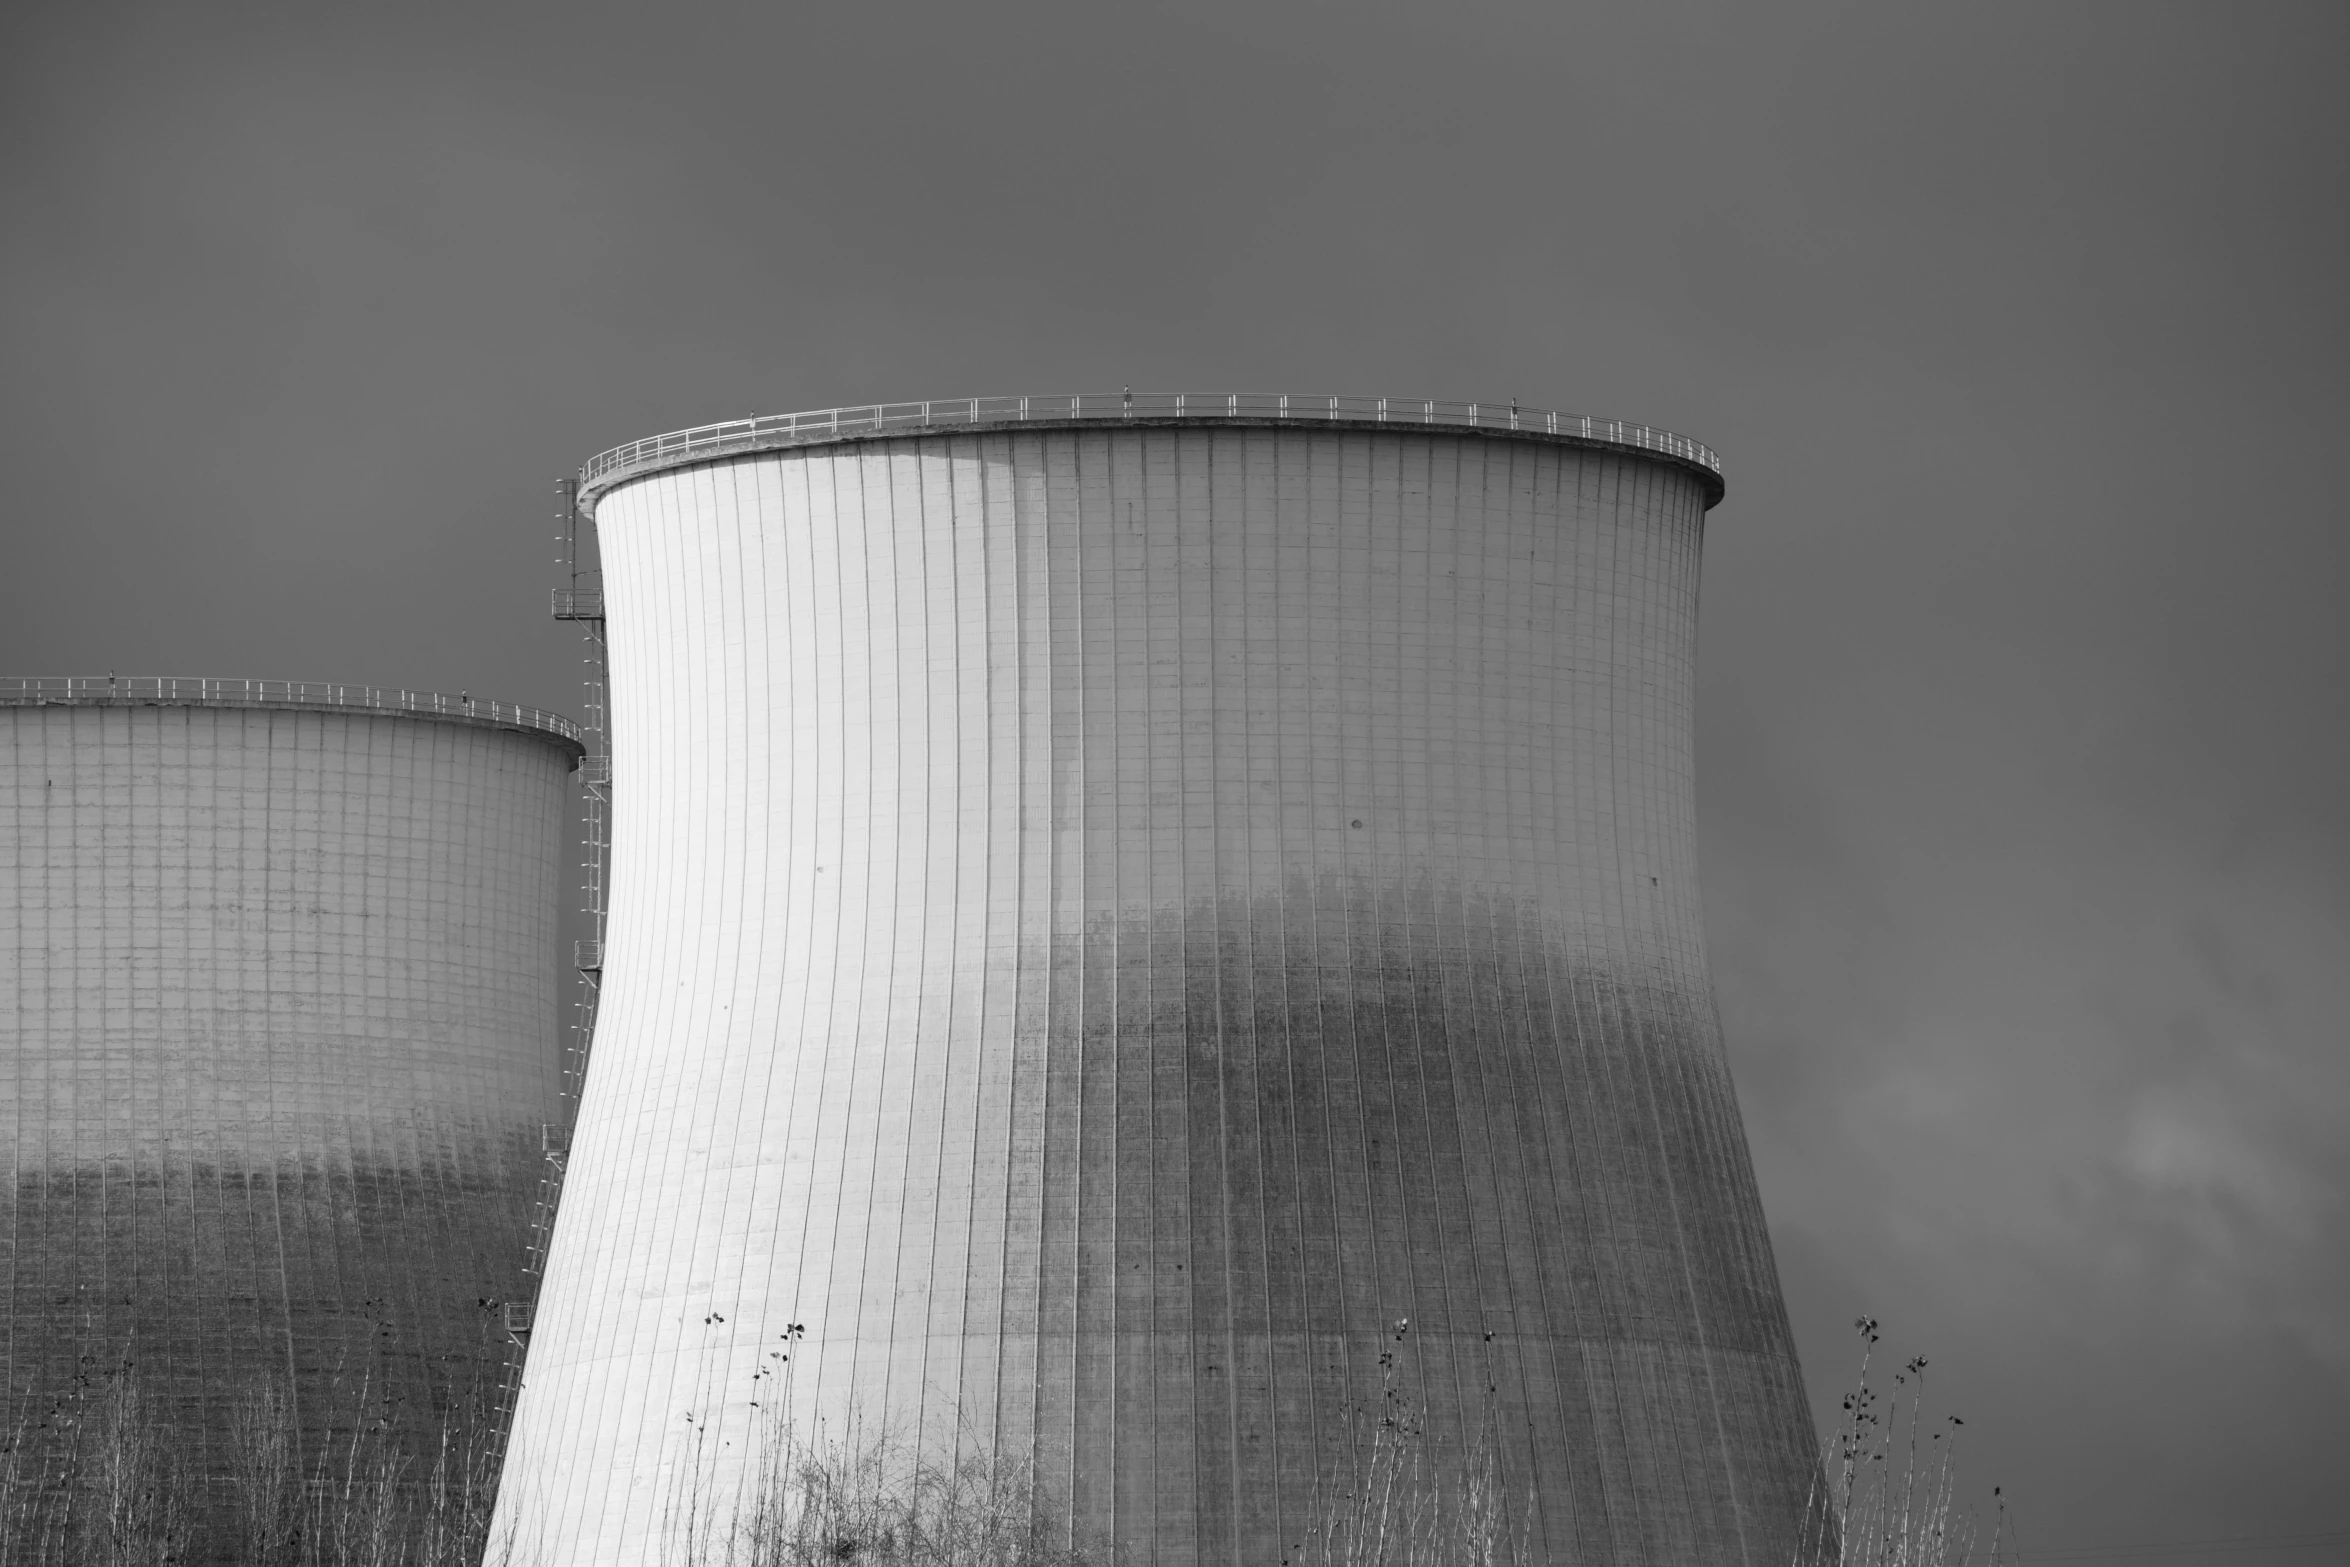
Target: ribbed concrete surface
x: 1105, y: 923
x: 278, y: 989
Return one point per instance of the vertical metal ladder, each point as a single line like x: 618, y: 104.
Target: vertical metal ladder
x: 586, y: 606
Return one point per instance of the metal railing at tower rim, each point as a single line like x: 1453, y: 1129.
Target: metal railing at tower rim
x: 605, y: 469
x: 193, y: 691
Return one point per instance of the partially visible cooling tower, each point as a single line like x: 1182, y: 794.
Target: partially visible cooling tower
x: 278, y: 980
x: 1120, y: 907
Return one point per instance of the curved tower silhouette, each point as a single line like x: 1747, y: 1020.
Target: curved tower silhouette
x: 277, y: 971
x: 1128, y: 912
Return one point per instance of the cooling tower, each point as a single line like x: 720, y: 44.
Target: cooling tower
x: 1148, y: 936
x: 278, y: 977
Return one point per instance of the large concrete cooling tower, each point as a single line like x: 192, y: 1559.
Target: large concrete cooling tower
x: 1117, y: 906
x: 277, y: 974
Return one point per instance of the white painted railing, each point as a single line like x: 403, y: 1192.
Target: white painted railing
x: 832, y: 424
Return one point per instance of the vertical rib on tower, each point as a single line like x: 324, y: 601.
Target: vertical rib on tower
x: 1109, y: 921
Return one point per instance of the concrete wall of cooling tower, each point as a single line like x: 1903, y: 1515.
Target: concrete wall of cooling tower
x: 1106, y: 924
x: 279, y: 993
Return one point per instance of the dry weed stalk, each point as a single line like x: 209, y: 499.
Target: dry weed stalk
x: 1883, y: 1498
x: 1391, y: 1501
x: 374, y: 1509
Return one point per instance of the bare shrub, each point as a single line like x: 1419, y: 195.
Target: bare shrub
x: 862, y: 1495
x: 867, y: 1498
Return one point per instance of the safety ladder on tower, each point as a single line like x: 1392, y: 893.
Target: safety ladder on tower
x: 586, y: 606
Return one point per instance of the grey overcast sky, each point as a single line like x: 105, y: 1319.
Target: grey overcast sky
x: 2021, y: 329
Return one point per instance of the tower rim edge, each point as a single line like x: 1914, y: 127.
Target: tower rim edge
x: 704, y: 445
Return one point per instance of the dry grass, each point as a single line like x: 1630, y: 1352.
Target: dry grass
x: 1395, y: 1498
x: 94, y: 1481
x: 106, y: 1486
x: 101, y: 1479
